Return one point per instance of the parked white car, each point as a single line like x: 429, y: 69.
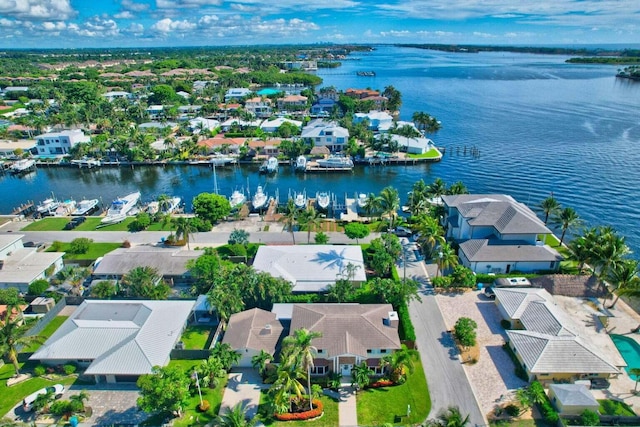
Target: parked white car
x: 56, y: 390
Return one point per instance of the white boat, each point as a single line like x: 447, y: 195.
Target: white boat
x: 301, y: 163
x: 22, y: 166
x: 120, y: 207
x: 300, y: 200
x: 335, y: 162
x: 153, y: 207
x: 362, y: 200
x: 170, y: 205
x: 259, y: 199
x: 237, y: 198
x: 47, y: 207
x: 86, y: 162
x: 323, y: 199
x: 272, y: 165
x: 220, y: 160
x: 66, y: 208
x: 86, y: 207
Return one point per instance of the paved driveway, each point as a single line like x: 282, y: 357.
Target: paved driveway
x: 448, y: 382
x: 243, y: 387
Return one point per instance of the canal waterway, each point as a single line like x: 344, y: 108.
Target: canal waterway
x: 540, y: 125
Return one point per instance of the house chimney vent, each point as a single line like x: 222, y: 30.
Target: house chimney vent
x: 392, y: 319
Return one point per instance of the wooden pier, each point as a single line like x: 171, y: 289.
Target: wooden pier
x: 25, y: 208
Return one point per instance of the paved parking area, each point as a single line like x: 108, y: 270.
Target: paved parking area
x: 493, y: 376
x: 111, y: 404
x: 243, y: 387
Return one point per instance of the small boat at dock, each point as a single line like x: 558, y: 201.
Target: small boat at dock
x: 66, y: 208
x: 47, y: 207
x: 86, y: 207
x: 301, y: 163
x: 23, y: 166
x: 86, y: 162
x: 362, y: 200
x: 300, y: 200
x: 336, y: 162
x: 237, y: 199
x: 323, y: 199
x: 120, y: 207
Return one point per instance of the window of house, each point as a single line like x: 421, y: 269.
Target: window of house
x: 320, y: 351
x: 369, y: 351
x: 384, y: 350
x: 552, y: 264
x: 318, y: 370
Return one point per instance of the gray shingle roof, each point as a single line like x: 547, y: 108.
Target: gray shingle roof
x: 573, y: 395
x: 562, y: 354
x: 515, y: 300
x: 254, y: 329
x: 120, y: 337
x: 168, y: 261
x: 347, y: 329
x: 310, y: 268
x: 492, y: 250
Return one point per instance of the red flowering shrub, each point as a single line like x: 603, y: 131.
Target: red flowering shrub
x: 381, y: 383
x: 301, y: 416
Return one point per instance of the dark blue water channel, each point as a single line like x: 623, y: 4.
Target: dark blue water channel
x: 541, y: 126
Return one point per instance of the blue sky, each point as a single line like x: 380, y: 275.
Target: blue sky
x: 133, y: 23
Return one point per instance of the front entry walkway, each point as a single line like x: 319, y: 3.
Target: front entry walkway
x: 243, y: 387
x: 347, y: 411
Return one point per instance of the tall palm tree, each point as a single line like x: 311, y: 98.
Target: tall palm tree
x: 361, y: 375
x: 12, y: 337
x: 549, y: 206
x: 447, y: 257
x: 184, y: 227
x: 452, y: 417
x: 291, y: 218
x: 236, y: 417
x: 390, y: 203
x: 624, y: 277
x: 566, y: 219
x: 430, y: 234
x: 286, y: 385
x: 399, y: 361
x: 372, y: 205
x: 636, y: 373
x: 302, y: 352
x: 310, y: 218
x: 437, y: 188
x: 457, y: 188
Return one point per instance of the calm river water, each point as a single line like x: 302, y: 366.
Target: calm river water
x: 540, y: 126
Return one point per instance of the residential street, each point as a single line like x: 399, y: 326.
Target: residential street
x: 447, y: 380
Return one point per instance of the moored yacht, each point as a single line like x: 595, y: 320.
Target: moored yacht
x: 362, y: 200
x: 23, y: 166
x: 300, y: 200
x: 272, y: 165
x: 120, y: 207
x: 301, y: 163
x: 323, y: 199
x: 237, y: 198
x: 336, y: 162
x: 169, y: 206
x: 86, y: 207
x: 66, y: 208
x: 47, y: 207
x: 259, y: 200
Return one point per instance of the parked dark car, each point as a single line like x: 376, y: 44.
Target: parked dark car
x: 600, y: 383
x: 75, y: 222
x: 70, y: 225
x: 38, y: 245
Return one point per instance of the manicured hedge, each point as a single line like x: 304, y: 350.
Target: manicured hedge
x: 318, y: 409
x: 406, y: 331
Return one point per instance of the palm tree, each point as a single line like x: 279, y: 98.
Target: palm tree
x: 184, y: 227
x: 302, y: 352
x: 164, y: 202
x: 287, y: 384
x: 399, y: 361
x: 310, y: 218
x: 361, y: 375
x: 210, y: 370
x: 458, y: 188
x: 549, y: 206
x: 226, y: 354
x: 430, y: 234
x: 452, y: 417
x: 260, y: 360
x: 372, y: 205
x: 636, y: 373
x: 437, y: 188
x: 566, y: 219
x: 77, y: 400
x: 291, y: 218
x: 236, y: 417
x: 390, y: 203
x: 624, y: 277
x: 447, y: 257
x: 12, y: 338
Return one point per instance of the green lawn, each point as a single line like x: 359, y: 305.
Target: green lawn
x: 47, y: 224
x: 96, y: 250
x: 47, y: 332
x: 389, y: 404
x: 328, y: 419
x: 14, y: 394
x: 615, y: 407
x: 195, y: 337
x: 91, y: 224
x: 431, y: 154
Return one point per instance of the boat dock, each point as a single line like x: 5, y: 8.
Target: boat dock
x: 314, y: 167
x: 351, y: 213
x: 25, y: 208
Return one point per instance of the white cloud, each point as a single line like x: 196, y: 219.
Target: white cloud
x: 207, y: 20
x: 37, y: 9
x: 168, y: 25
x: 125, y: 14
x: 177, y: 4
x: 133, y: 6
x: 53, y: 26
x: 135, y: 29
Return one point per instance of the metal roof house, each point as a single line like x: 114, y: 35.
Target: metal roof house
x: 20, y: 266
x: 548, y: 343
x: 310, y: 268
x: 117, y: 341
x: 497, y: 234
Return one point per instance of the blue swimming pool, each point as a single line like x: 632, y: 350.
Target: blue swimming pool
x: 630, y: 351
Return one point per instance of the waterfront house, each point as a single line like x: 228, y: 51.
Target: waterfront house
x: 229, y: 124
x: 236, y: 93
x: 60, y: 143
x: 259, y: 107
x: 8, y: 147
x: 119, y: 340
x: 323, y: 107
x: 497, y: 234
x: 292, y: 103
x: 351, y: 333
x: 220, y: 144
x: 252, y: 331
x: 272, y: 125
x: 328, y: 134
x: 200, y: 124
x: 311, y: 268
x: 410, y: 145
x: 549, y: 345
x: 361, y: 93
x: 379, y: 121
x: 171, y: 263
x: 20, y: 266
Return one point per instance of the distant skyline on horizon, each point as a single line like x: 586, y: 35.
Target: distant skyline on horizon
x: 175, y: 23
